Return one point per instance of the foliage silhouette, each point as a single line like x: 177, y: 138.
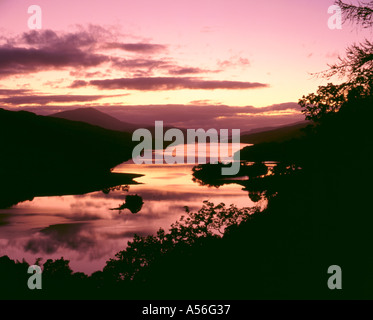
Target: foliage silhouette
x: 208, y: 223
x: 356, y: 68
x: 210, y: 174
x: 362, y: 14
x: 133, y: 203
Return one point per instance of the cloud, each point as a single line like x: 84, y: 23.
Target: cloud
x: 36, y: 51
x: 204, y: 102
x: 80, y: 215
x: 234, y: 62
x: 84, y: 74
x: 68, y: 235
x: 44, y: 50
x: 169, y: 83
x: 48, y: 39
x: 138, y: 63
x: 86, y: 51
x: 151, y: 195
x: 78, y: 84
x: 186, y: 70
x: 128, y: 234
x: 18, y: 60
x: 4, y: 219
x: 44, y: 100
x: 140, y: 47
x: 11, y: 92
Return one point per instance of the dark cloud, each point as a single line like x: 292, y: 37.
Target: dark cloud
x: 84, y: 74
x: 92, y: 46
x: 4, y: 218
x: 18, y: 60
x: 63, y: 229
x: 13, y: 92
x: 148, y: 48
x: 182, y: 71
x: 170, y: 83
x: 43, y: 100
x: 50, y: 39
x: 80, y: 216
x: 42, y: 50
x: 69, y: 235
x: 128, y: 234
x: 78, y: 84
x: 134, y: 64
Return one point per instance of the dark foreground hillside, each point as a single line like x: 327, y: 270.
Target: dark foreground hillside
x: 45, y: 156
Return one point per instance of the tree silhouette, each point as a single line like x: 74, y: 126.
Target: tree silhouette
x: 209, y: 222
x: 58, y: 269
x: 133, y: 203
x: 210, y: 174
x: 355, y: 68
x: 328, y: 99
x: 362, y: 14
x: 357, y: 65
x: 255, y: 170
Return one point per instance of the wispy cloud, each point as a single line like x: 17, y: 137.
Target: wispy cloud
x: 187, y: 70
x: 139, y: 47
x: 8, y: 92
x: 167, y: 83
x: 43, y: 100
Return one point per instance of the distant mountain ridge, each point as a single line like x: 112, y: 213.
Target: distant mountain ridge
x: 276, y: 134
x: 97, y: 118
x: 101, y: 119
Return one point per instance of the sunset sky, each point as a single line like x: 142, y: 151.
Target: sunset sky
x: 219, y: 63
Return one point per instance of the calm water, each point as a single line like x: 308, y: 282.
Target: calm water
x: 83, y: 229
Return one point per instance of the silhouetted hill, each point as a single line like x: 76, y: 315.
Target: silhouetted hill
x: 260, y: 129
x: 96, y: 118
x: 279, y: 134
x: 44, y: 155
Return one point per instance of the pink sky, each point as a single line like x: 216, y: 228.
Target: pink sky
x: 122, y: 54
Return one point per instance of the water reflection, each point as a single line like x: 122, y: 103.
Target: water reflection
x: 83, y: 229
